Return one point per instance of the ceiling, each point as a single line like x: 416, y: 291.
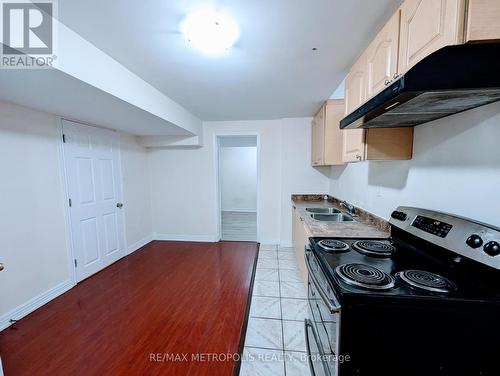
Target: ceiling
x: 272, y: 72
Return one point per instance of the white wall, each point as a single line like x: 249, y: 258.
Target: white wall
x: 183, y: 185
x: 238, y: 178
x: 297, y: 175
x: 32, y: 229
x: 183, y: 181
x: 339, y: 91
x: 33, y: 234
x: 455, y: 168
x: 136, y: 192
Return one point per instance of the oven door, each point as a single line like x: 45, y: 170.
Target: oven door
x: 324, y: 314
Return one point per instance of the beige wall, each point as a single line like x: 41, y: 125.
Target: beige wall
x: 33, y: 236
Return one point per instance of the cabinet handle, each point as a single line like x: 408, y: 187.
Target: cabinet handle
x: 387, y: 82
x: 395, y: 75
x: 358, y: 157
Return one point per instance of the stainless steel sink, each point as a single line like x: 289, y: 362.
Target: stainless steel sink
x: 323, y: 210
x: 338, y: 217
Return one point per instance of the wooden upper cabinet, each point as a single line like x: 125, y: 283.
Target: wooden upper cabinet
x: 353, y: 140
x: 355, y: 85
x: 427, y: 26
x: 353, y: 148
x: 382, y: 57
x: 377, y: 144
x: 326, y: 148
x: 363, y: 144
x: 317, y: 138
x: 483, y: 21
x: 335, y: 111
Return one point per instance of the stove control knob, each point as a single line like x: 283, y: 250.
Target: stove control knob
x: 399, y: 215
x: 474, y: 241
x: 492, y: 248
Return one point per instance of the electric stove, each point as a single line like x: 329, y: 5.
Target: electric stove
x: 425, y: 301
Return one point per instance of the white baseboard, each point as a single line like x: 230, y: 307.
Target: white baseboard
x: 141, y: 243
x: 187, y: 238
x: 34, y: 303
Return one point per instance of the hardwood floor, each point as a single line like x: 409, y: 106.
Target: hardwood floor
x: 239, y: 226
x: 167, y: 298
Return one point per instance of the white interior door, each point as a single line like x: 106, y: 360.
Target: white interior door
x: 92, y: 163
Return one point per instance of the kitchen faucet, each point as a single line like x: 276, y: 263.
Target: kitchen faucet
x: 351, y: 209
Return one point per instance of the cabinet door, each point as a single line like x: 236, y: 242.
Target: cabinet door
x: 483, y: 20
x: 382, y: 56
x: 294, y: 228
x: 355, y: 85
x: 303, y: 241
x: 297, y: 235
x: 353, y: 145
x: 318, y: 138
x: 335, y: 111
x: 427, y: 26
x: 355, y: 95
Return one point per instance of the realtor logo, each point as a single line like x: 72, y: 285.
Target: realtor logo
x: 27, y: 34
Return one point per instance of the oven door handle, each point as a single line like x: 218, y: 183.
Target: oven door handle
x: 307, y: 324
x: 333, y: 304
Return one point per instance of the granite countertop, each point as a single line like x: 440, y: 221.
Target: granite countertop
x: 367, y: 225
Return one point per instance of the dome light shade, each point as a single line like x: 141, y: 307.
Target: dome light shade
x: 210, y: 32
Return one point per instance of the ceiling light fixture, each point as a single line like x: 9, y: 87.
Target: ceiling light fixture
x: 210, y: 32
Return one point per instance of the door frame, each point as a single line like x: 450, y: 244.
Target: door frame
x: 67, y: 212
x: 218, y: 217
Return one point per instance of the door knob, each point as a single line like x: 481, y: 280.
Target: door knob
x: 119, y: 205
x: 2, y: 267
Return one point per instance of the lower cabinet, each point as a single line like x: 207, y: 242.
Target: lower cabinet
x: 301, y: 236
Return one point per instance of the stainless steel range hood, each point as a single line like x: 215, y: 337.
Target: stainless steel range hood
x: 451, y: 80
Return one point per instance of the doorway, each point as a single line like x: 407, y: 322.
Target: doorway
x: 94, y: 187
x: 238, y: 187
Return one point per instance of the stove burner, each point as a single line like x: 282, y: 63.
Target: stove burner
x: 365, y: 276
x: 374, y: 248
x: 426, y: 281
x: 333, y: 246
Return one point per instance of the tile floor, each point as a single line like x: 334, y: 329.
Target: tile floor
x: 275, y: 343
